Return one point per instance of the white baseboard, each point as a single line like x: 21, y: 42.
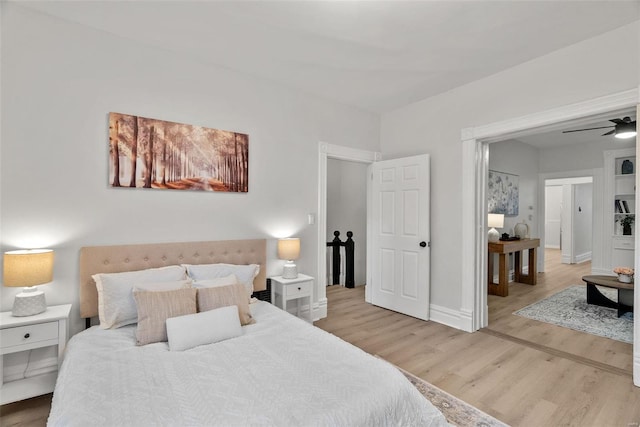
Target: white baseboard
x: 319, y: 310
x: 456, y: 319
x: 552, y: 246
x: 583, y: 257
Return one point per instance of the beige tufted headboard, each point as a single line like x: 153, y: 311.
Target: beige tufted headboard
x: 113, y: 259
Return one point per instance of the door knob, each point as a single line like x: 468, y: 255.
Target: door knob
x: 423, y: 244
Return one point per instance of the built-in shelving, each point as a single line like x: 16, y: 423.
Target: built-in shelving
x: 620, y: 202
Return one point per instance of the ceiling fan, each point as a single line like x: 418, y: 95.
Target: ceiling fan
x: 623, y: 128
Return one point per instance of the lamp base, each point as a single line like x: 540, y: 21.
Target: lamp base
x: 290, y: 271
x: 494, y: 236
x: 29, y: 302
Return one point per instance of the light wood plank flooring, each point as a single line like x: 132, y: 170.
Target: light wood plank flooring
x: 522, y: 372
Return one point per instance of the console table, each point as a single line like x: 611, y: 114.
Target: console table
x: 503, y: 249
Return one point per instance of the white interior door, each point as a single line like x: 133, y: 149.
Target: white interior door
x: 552, y: 215
x: 400, y: 249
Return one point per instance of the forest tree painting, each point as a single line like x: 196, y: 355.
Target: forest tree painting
x: 150, y: 153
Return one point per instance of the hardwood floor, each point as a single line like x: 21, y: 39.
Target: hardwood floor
x: 523, y: 372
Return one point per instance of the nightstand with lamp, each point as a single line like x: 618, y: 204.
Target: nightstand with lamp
x: 31, y: 324
x: 291, y: 285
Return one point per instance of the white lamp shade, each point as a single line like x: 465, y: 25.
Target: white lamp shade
x: 289, y: 249
x: 25, y: 268
x: 495, y: 220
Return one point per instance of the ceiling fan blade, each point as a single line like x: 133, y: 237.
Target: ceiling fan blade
x: 611, y: 132
x: 580, y: 130
x: 618, y: 121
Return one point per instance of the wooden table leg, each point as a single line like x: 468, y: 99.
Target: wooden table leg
x: 517, y: 266
x: 533, y: 266
x: 502, y: 287
x: 490, y: 272
x: 503, y: 276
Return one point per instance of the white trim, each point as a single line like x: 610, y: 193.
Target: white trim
x: 604, y: 104
x: 456, y: 319
x: 331, y: 151
x: 636, y: 266
x: 583, y: 257
x: 474, y: 241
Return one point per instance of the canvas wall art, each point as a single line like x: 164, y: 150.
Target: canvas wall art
x: 503, y: 193
x: 150, y: 153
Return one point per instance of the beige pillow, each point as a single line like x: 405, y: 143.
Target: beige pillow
x: 223, y: 296
x: 154, y: 308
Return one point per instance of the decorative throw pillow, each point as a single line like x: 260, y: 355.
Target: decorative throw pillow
x: 154, y: 308
x: 219, y: 281
x: 244, y: 273
x: 116, y: 306
x: 192, y: 330
x: 223, y: 296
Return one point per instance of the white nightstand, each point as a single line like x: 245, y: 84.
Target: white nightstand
x: 26, y: 333
x: 285, y: 290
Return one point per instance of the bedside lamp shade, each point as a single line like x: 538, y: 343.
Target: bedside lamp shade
x: 28, y: 268
x: 493, y: 221
x: 289, y: 249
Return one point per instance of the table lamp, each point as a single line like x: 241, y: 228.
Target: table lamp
x: 289, y: 249
x: 495, y: 220
x: 28, y: 268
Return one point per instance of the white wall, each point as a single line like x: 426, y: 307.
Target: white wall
x: 572, y: 158
x: 59, y: 82
x: 520, y: 159
x: 433, y: 126
x: 347, y: 208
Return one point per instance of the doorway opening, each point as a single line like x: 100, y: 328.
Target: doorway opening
x: 327, y: 152
x: 475, y: 160
x: 346, y: 212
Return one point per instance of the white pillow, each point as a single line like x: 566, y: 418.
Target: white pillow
x: 244, y: 273
x: 219, y: 281
x: 207, y: 327
x: 116, y: 306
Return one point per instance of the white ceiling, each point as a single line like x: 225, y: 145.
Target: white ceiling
x: 553, y: 136
x: 376, y: 55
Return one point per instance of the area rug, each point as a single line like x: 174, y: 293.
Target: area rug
x: 456, y: 411
x: 568, y: 308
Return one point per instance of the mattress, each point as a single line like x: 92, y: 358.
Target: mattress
x: 280, y: 372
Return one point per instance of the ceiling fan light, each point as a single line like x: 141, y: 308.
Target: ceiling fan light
x: 625, y: 134
x: 625, y: 130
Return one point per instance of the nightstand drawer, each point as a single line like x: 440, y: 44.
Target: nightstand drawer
x: 21, y: 335
x: 296, y: 290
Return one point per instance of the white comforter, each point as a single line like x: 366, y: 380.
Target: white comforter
x: 281, y: 372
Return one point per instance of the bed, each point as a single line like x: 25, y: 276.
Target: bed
x: 280, y: 371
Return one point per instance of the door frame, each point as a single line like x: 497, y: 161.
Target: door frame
x: 331, y: 151
x: 475, y: 165
x: 597, y: 219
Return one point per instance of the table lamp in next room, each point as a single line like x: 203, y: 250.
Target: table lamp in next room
x: 495, y: 221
